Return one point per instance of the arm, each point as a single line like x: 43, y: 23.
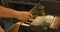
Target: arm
x: 7, y: 13
x: 10, y: 13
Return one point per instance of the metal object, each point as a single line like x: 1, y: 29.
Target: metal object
x: 40, y: 24
x: 38, y: 10
x: 40, y: 20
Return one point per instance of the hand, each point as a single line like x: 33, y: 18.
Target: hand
x: 11, y: 13
x: 24, y: 16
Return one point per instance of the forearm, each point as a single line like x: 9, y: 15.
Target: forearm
x: 8, y: 13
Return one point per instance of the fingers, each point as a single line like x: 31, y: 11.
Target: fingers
x: 24, y: 16
x: 27, y: 16
x: 30, y: 15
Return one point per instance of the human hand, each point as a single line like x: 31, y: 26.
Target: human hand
x: 24, y: 16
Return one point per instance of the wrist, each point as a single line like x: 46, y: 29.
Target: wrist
x: 16, y: 15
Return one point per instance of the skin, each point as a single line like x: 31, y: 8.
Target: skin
x: 1, y: 29
x: 20, y: 15
x: 10, y: 13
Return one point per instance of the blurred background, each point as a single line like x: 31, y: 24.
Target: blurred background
x: 52, y: 7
